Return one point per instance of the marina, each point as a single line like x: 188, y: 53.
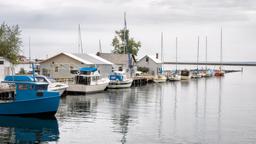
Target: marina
x: 195, y: 111
x: 127, y: 72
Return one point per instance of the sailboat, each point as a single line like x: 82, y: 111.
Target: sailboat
x: 196, y: 74
x: 175, y: 76
x: 119, y: 79
x: 207, y: 72
x: 220, y: 72
x: 160, y: 78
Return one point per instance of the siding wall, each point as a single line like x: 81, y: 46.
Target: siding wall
x: 151, y: 65
x: 59, y: 67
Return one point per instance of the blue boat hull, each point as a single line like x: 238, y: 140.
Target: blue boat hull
x: 41, y: 107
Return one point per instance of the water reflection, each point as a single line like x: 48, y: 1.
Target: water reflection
x: 28, y: 130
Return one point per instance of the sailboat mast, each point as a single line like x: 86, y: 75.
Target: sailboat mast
x: 162, y: 53
x: 125, y: 38
x: 220, y: 48
x: 206, y: 53
x: 100, y: 46
x: 80, y: 43
x: 176, y: 54
x: 197, y: 54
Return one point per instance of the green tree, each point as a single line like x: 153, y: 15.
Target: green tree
x: 119, y: 43
x: 22, y: 71
x: 10, y: 42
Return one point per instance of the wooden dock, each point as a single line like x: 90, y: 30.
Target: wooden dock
x: 142, y: 80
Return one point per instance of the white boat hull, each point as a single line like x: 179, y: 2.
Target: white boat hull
x: 185, y: 77
x: 174, y: 78
x: 87, y: 88
x: 61, y: 90
x: 159, y: 80
x: 120, y: 84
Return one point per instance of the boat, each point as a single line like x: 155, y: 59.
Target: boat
x: 31, y: 98
x: 88, y: 80
x: 207, y: 72
x: 53, y: 85
x: 220, y: 72
x: 185, y: 74
x: 159, y: 79
x: 196, y: 73
x: 175, y: 76
x: 118, y: 79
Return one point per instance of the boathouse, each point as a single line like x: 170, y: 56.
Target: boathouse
x: 64, y: 66
x: 153, y: 64
x: 120, y: 61
x: 5, y: 67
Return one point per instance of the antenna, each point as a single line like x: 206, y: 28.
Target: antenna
x: 29, y: 50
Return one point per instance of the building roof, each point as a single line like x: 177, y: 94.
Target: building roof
x: 118, y: 59
x: 94, y: 59
x: 158, y: 61
x: 84, y: 58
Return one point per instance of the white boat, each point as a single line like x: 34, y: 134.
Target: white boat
x: 119, y: 80
x: 196, y: 74
x: 160, y: 79
x: 185, y: 74
x: 174, y: 77
x: 53, y: 85
x: 88, y: 81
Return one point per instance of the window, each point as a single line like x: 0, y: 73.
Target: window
x: 1, y: 62
x: 146, y: 59
x: 22, y: 87
x: 56, y: 69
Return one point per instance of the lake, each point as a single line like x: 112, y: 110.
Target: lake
x: 207, y: 110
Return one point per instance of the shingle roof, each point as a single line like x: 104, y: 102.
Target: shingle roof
x: 119, y: 59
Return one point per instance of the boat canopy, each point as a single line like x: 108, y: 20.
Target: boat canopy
x: 88, y: 69
x: 19, y: 78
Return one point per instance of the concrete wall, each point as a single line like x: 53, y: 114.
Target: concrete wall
x: 151, y: 65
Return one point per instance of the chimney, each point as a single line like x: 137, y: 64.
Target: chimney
x: 156, y: 55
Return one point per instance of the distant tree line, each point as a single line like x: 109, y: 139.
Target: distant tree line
x: 10, y: 42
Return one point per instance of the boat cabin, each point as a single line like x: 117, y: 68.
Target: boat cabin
x: 185, y: 73
x: 87, y: 76
x: 26, y: 87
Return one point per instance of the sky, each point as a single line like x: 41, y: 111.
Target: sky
x: 52, y: 26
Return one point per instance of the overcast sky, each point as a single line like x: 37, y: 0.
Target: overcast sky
x: 53, y: 26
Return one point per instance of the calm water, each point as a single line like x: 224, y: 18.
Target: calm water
x: 212, y: 110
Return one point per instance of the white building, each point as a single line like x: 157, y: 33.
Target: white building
x: 5, y: 68
x: 152, y: 63
x: 64, y: 65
